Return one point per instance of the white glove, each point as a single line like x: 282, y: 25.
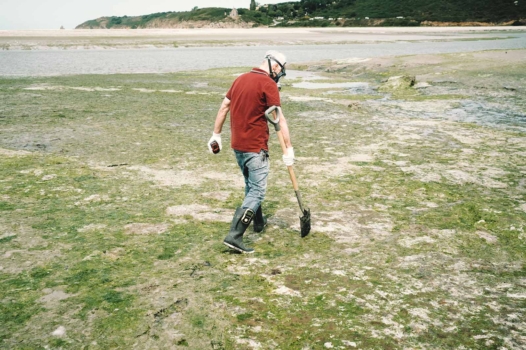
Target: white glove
x: 288, y: 158
x: 217, y: 138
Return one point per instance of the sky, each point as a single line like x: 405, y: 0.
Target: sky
x: 52, y: 14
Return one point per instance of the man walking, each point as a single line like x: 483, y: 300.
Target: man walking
x: 248, y: 98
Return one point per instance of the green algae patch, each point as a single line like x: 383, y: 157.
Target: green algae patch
x: 113, y: 213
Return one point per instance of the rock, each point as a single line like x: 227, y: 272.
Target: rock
x: 422, y: 85
x: 398, y: 83
x: 359, y: 70
x: 354, y: 104
x: 59, y: 332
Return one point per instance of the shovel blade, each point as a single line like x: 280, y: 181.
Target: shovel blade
x: 305, y: 223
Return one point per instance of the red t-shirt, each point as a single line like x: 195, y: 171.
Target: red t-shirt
x: 250, y: 96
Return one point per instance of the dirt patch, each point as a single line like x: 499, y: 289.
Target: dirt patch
x: 93, y: 228
x: 174, y: 178
x: 338, y: 167
x: 219, y: 195
x: 52, y: 297
x: 44, y: 87
x: 200, y: 213
x: 168, y: 178
x: 10, y: 261
x: 13, y: 153
x: 487, y: 236
x: 145, y: 229
x: 283, y: 290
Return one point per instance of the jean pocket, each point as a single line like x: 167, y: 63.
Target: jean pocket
x: 258, y: 161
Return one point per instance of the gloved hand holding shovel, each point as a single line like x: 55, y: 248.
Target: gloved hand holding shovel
x: 272, y: 115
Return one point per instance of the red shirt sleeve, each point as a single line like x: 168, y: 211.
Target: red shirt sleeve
x: 271, y: 93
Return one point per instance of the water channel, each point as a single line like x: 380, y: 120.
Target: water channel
x: 111, y: 61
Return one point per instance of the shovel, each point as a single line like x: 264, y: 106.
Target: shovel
x: 272, y: 115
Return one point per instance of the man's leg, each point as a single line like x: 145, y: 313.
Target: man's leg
x: 255, y: 167
x: 257, y: 173
x: 240, y: 222
x: 260, y: 221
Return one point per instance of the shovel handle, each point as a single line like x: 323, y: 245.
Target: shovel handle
x: 273, y: 116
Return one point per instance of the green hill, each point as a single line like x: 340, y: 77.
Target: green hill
x: 315, y: 13
x: 163, y: 19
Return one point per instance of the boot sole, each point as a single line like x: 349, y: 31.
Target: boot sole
x: 237, y: 249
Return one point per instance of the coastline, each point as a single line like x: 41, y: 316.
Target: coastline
x: 80, y: 39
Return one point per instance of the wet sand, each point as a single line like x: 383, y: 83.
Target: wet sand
x: 40, y: 39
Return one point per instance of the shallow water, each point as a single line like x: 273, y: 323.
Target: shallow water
x: 312, y: 85
x: 111, y: 61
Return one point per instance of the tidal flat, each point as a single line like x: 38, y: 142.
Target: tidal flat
x: 112, y: 211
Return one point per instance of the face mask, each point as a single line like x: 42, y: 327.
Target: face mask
x: 273, y: 75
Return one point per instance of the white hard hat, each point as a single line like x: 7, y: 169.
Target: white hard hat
x: 276, y: 56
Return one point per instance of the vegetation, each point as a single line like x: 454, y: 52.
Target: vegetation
x: 211, y: 14
x: 339, y: 13
x: 112, y: 212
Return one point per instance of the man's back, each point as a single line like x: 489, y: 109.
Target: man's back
x: 250, y: 95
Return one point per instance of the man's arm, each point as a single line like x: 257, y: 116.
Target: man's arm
x: 218, y: 126
x: 221, y: 116
x: 284, y: 129
x: 288, y: 158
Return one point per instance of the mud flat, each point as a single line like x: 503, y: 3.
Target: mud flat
x: 113, y: 213
x: 162, y: 38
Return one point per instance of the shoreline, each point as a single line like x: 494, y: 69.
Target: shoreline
x: 244, y: 31
x: 89, y: 39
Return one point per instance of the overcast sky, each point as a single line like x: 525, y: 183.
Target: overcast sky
x: 51, y: 14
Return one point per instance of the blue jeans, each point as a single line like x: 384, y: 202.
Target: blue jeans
x: 255, y: 167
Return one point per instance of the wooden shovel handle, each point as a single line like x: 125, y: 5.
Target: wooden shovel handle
x: 291, y: 170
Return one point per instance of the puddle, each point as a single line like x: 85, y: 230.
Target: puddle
x: 310, y: 85
x: 352, y: 88
x: 491, y: 114
x: 464, y: 111
x: 305, y: 75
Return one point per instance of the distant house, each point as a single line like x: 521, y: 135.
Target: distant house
x: 319, y: 17
x: 400, y: 17
x: 234, y: 14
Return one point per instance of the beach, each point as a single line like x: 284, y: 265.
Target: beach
x: 81, y: 38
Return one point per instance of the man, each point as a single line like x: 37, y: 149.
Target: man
x: 249, y: 97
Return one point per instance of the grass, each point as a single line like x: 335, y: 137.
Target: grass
x: 113, y: 213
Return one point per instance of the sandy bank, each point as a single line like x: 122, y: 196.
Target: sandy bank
x: 246, y: 32
x: 146, y: 38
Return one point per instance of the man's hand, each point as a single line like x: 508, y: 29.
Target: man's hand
x: 217, y: 138
x: 288, y: 158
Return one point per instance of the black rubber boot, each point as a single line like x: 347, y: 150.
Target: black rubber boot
x: 240, y: 222
x: 260, y: 221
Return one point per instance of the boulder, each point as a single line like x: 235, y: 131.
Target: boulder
x: 398, y: 83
